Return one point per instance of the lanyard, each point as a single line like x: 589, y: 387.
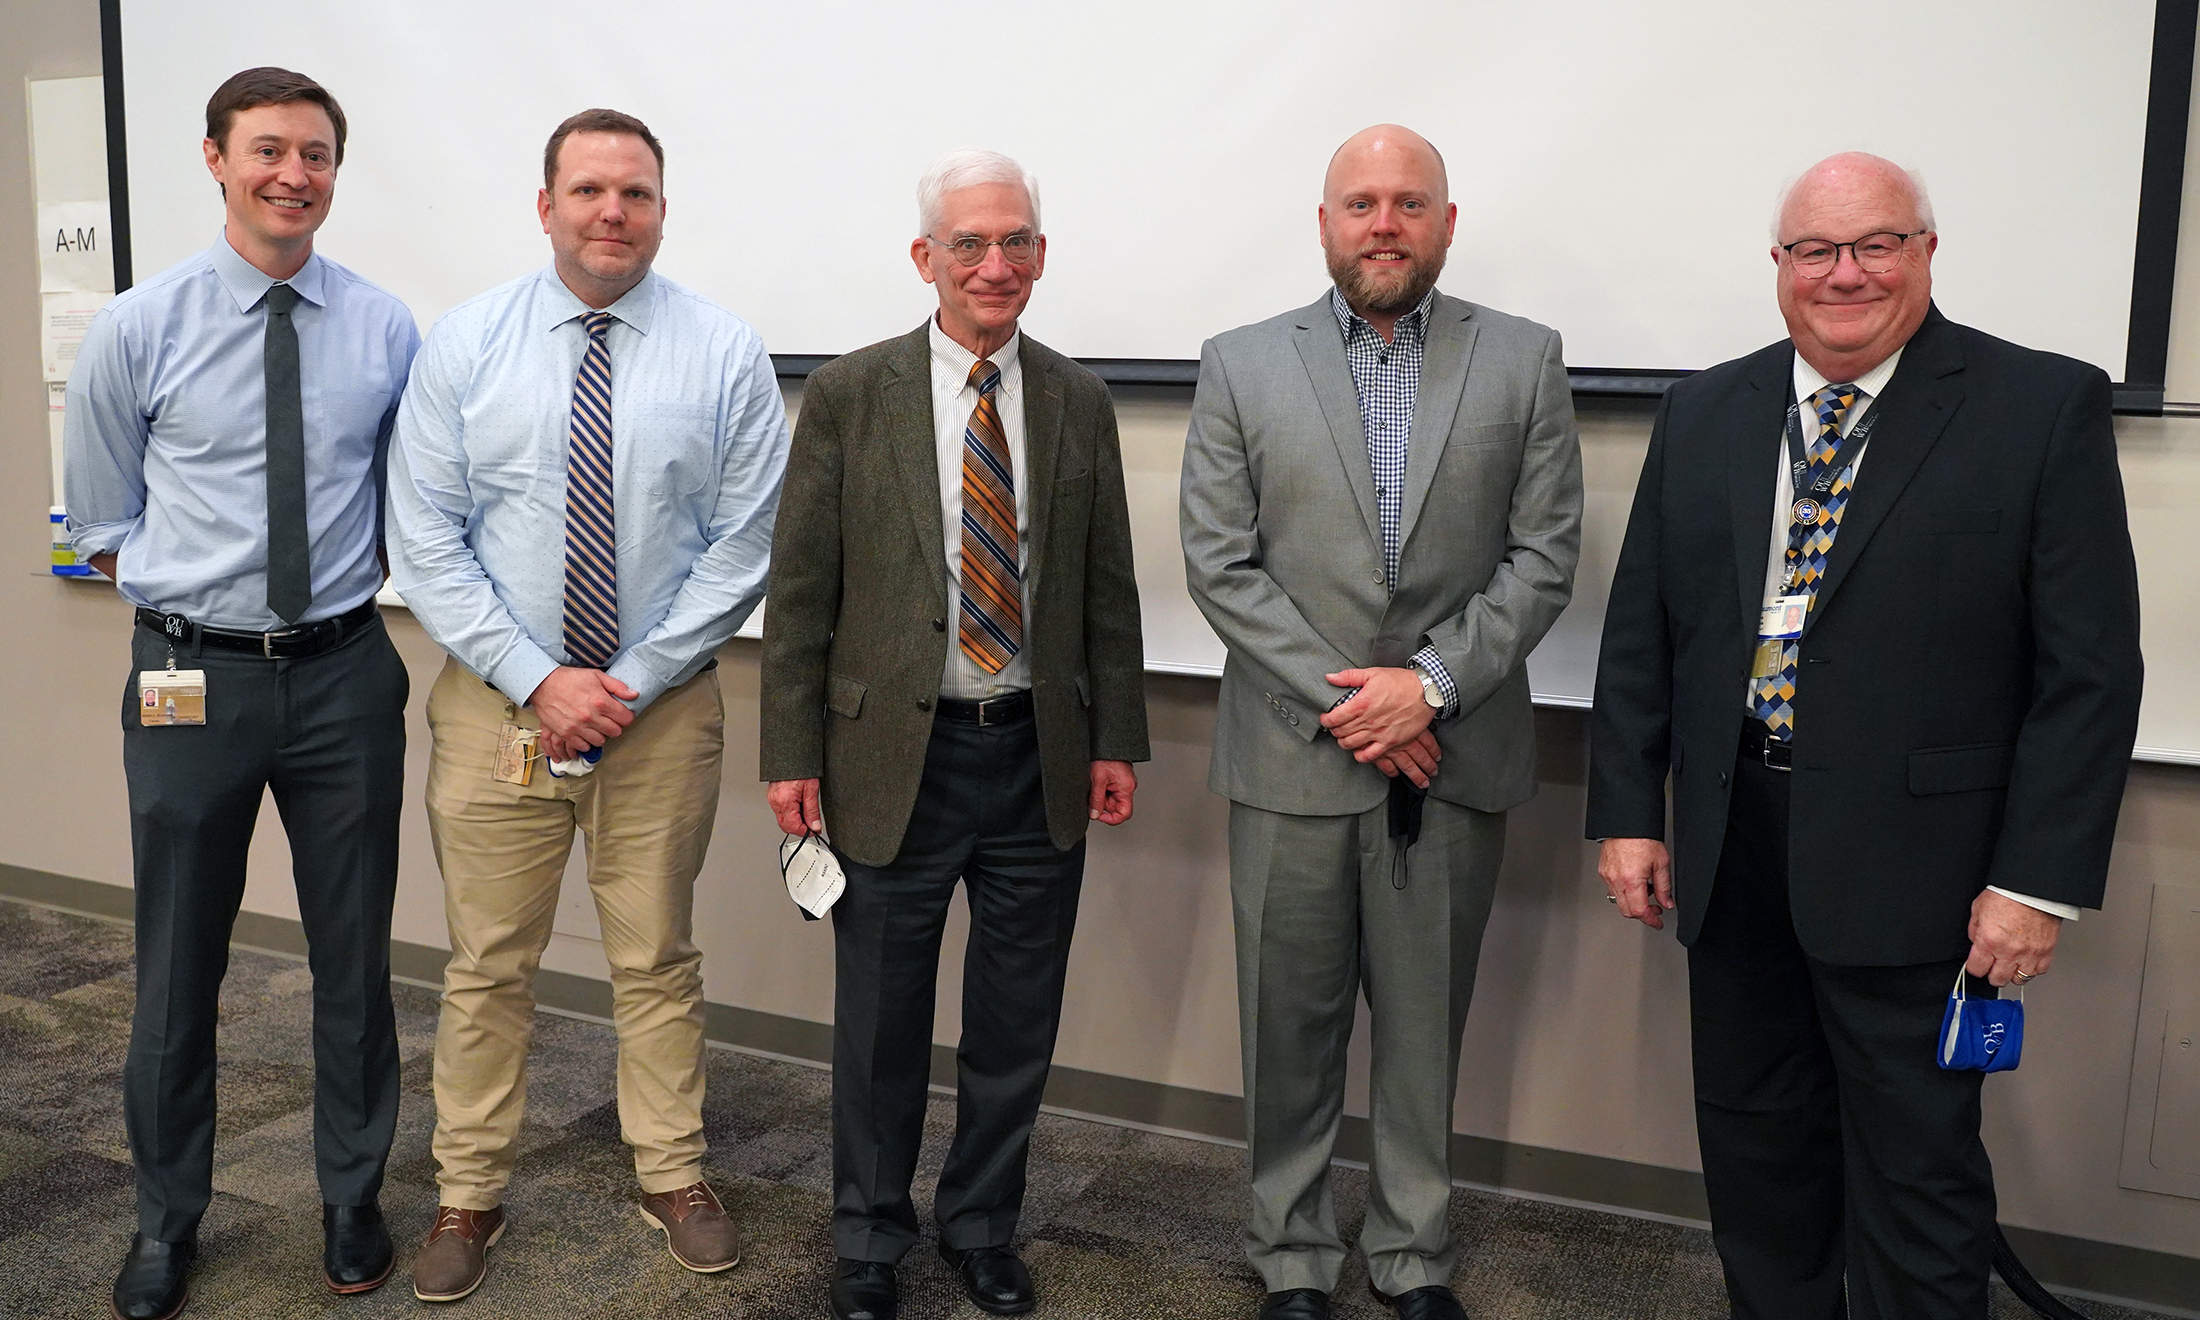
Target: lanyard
x: 1808, y: 492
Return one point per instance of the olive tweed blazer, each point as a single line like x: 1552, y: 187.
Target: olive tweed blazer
x: 858, y: 621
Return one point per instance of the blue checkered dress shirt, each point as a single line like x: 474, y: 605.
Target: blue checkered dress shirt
x: 1387, y: 378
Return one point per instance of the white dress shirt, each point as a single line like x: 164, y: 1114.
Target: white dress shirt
x: 954, y: 398
x: 1872, y: 384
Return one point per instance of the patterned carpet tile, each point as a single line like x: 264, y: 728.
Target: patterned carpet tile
x: 1118, y: 1224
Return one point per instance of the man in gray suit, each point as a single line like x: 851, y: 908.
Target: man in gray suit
x: 1381, y: 514
x: 960, y: 472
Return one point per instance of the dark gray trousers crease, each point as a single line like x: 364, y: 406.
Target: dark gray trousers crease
x: 325, y: 734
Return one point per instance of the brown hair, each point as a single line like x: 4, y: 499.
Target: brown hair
x: 598, y: 121
x: 267, y: 86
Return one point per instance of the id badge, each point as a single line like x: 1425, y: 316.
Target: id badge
x: 171, y: 696
x: 515, y: 762
x: 1770, y: 660
x: 1783, y: 617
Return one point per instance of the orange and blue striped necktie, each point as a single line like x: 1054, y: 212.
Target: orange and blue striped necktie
x: 591, y: 544
x: 992, y: 623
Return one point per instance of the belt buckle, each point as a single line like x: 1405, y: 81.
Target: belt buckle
x: 268, y: 640
x: 983, y: 703
x: 1786, y: 754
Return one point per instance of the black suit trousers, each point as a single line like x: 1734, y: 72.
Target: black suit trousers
x: 326, y: 734
x: 1835, y: 1150
x: 980, y: 819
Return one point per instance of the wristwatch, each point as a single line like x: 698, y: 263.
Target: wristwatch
x: 1430, y: 693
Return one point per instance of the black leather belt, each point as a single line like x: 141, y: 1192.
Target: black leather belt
x: 993, y: 710
x: 1757, y: 741
x: 288, y: 644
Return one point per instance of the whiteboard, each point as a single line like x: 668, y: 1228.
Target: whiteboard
x: 1615, y: 164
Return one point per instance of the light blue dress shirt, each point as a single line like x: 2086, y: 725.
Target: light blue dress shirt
x: 165, y: 448
x: 477, y: 480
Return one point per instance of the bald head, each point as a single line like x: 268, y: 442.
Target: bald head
x: 1386, y: 149
x: 1848, y: 181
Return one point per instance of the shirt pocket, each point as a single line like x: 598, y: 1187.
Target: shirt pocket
x: 678, y: 453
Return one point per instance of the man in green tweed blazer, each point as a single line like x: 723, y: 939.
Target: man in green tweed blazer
x: 952, y: 690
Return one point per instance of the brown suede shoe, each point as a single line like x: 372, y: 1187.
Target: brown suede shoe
x: 455, y: 1257
x: 698, y: 1230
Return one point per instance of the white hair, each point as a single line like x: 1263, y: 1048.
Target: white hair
x: 1915, y: 181
x: 968, y: 168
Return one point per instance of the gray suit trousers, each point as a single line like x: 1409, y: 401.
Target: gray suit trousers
x: 1321, y: 916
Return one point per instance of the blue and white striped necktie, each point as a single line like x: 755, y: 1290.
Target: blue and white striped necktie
x: 591, y: 542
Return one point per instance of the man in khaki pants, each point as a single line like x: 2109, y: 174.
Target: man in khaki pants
x: 581, y: 492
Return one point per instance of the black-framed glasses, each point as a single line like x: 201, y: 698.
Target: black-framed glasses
x: 1018, y: 249
x: 1879, y: 253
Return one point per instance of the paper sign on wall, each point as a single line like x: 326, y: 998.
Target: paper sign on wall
x: 75, y: 254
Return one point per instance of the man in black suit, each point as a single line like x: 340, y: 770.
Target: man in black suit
x: 1889, y: 653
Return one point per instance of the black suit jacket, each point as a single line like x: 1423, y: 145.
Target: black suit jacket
x: 857, y: 622
x: 1968, y: 692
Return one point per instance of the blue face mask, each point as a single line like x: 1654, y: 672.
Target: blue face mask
x: 1981, y: 1035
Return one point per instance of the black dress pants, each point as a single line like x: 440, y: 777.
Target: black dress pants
x: 979, y: 819
x: 326, y: 733
x: 1835, y: 1150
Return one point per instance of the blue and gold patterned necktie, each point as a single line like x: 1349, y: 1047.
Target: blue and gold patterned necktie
x: 591, y: 544
x: 1812, y: 524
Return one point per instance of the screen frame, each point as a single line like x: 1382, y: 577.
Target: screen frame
x: 2153, y: 277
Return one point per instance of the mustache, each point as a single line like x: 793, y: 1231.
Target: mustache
x: 1386, y: 291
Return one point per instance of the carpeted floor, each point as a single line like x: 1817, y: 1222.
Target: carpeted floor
x: 1119, y: 1223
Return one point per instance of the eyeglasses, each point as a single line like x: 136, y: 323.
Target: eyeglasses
x: 1018, y: 249
x: 1815, y: 258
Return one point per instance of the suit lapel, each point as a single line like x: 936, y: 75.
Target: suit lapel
x: 1446, y: 352
x: 1925, y: 392
x: 1043, y: 412
x: 1753, y: 465
x: 1321, y: 349
x: 907, y: 396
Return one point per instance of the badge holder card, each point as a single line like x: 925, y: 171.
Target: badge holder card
x: 171, y: 696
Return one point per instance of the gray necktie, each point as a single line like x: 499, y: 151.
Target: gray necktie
x: 289, y: 570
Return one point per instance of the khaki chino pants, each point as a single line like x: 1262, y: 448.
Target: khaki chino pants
x: 647, y: 812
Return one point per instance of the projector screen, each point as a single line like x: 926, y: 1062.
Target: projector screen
x: 1615, y: 164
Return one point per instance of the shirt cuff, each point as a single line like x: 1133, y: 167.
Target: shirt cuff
x: 89, y: 539
x: 2067, y: 911
x: 523, y: 671
x: 1429, y: 662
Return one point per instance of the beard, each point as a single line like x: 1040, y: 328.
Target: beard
x: 1388, y: 292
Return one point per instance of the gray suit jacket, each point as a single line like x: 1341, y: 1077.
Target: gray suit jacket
x: 1283, y: 548
x: 857, y: 624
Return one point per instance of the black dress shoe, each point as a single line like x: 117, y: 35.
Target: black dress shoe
x: 994, y: 1280
x: 864, y: 1290
x: 153, y: 1282
x: 356, y: 1254
x: 1435, y: 1302
x: 1295, y: 1304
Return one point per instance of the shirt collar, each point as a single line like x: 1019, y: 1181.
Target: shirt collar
x: 1873, y: 383
x: 637, y: 307
x: 956, y: 360
x: 248, y: 284
x: 1410, y: 323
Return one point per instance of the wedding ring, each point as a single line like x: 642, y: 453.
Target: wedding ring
x: 1611, y: 898
x: 2023, y: 976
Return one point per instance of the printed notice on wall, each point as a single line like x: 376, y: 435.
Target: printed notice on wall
x: 74, y: 251
x: 61, y: 329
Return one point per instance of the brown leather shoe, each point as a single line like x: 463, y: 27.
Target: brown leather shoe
x: 454, y: 1259
x: 698, y: 1230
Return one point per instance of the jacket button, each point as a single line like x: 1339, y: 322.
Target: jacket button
x: 939, y: 625
x: 924, y: 703
x: 1722, y: 779
x: 1378, y: 579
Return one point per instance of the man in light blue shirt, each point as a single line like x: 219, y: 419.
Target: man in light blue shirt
x: 227, y: 422
x: 581, y: 495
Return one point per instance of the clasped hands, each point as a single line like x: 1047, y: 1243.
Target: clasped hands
x: 2010, y: 941
x: 579, y: 709
x: 1386, y: 723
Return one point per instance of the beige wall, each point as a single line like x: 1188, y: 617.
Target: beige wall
x: 1578, y: 1040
